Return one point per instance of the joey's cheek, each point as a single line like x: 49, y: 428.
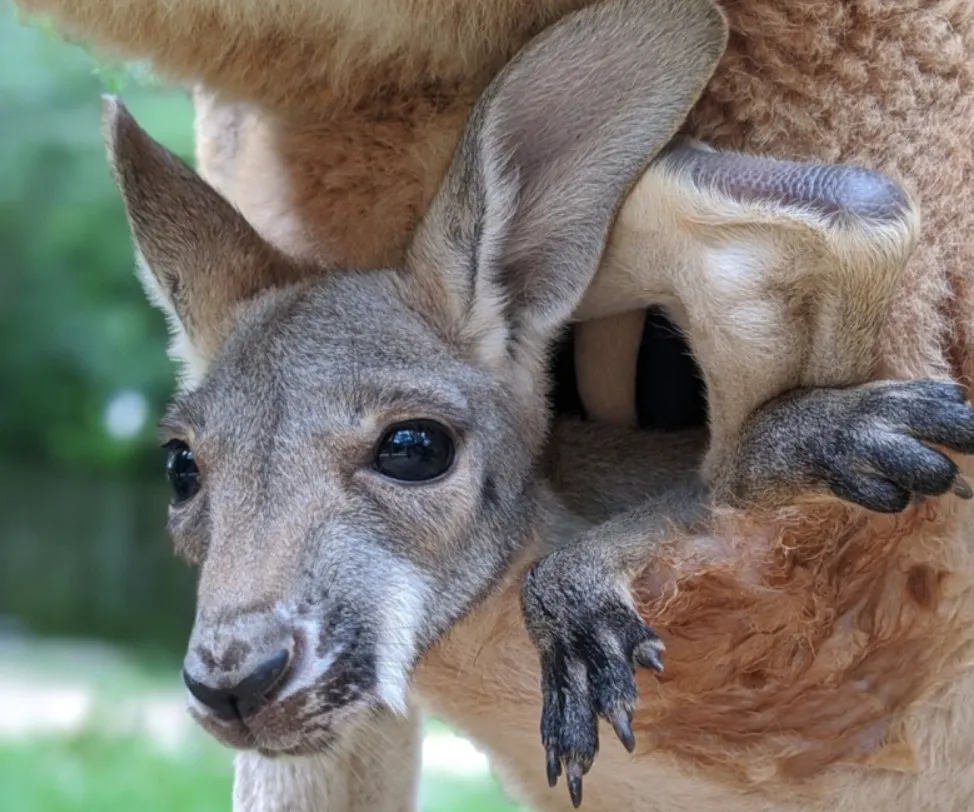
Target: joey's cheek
x: 425, y: 514
x: 434, y: 523
x: 189, y: 530
x: 193, y: 554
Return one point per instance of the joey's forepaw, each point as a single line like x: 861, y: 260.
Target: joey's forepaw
x: 590, y: 639
x: 877, y: 453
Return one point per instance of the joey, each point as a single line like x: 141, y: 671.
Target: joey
x: 366, y: 445
x: 308, y: 542
x: 869, y: 445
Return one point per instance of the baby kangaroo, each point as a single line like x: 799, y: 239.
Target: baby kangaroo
x: 362, y: 461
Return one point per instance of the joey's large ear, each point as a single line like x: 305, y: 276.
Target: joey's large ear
x: 515, y: 234
x: 198, y: 256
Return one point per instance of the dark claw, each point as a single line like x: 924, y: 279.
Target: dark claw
x: 554, y: 767
x: 590, y: 643
x: 575, y: 773
x: 961, y: 488
x: 647, y: 654
x: 620, y: 723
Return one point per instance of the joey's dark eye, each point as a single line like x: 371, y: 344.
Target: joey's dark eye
x: 414, y: 451
x: 181, y: 469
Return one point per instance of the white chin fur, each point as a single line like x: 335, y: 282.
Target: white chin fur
x: 404, y: 604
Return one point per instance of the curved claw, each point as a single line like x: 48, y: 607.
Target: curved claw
x: 575, y: 773
x: 961, y: 488
x: 648, y: 654
x: 554, y: 766
x: 620, y: 721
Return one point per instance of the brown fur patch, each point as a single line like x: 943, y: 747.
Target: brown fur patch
x: 346, y: 188
x: 787, y: 659
x: 306, y: 55
x: 362, y: 178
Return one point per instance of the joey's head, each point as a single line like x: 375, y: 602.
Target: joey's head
x: 353, y: 453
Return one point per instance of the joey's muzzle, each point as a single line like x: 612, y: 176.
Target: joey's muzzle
x: 242, y: 699
x: 235, y: 664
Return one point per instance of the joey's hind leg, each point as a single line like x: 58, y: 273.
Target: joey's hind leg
x: 869, y: 444
x: 779, y: 273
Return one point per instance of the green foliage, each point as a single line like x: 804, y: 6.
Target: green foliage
x: 75, y: 328
x: 89, y: 556
x: 94, y: 771
x: 82, y: 543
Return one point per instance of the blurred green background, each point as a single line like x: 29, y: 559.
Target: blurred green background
x: 94, y: 610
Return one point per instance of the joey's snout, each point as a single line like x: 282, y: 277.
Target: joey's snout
x: 280, y: 680
x: 235, y: 665
x: 240, y: 700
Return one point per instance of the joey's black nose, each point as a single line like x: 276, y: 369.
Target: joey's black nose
x: 246, y: 697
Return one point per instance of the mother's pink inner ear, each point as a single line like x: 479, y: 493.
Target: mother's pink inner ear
x: 822, y: 189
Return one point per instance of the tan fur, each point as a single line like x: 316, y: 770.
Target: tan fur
x: 312, y: 189
x: 884, y: 83
x: 335, y: 51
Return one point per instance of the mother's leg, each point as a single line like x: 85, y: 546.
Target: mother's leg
x: 779, y: 273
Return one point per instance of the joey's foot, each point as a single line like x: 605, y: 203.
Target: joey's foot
x: 870, y: 444
x: 881, y: 457
x: 590, y: 640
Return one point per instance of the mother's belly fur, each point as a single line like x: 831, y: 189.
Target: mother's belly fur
x: 817, y: 661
